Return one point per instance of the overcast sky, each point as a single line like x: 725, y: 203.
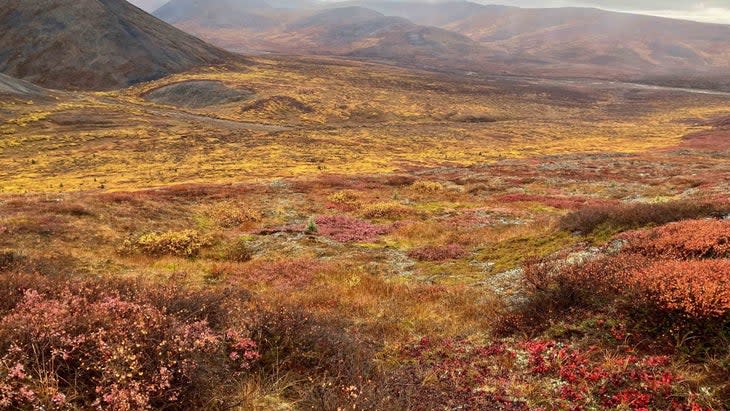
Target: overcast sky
x: 714, y: 11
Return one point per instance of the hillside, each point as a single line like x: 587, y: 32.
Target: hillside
x: 93, y: 44
x: 14, y: 87
x: 348, y: 31
x: 577, y: 41
x: 363, y: 32
x: 563, y: 42
x: 217, y: 14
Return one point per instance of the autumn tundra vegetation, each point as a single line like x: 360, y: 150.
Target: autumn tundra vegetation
x: 349, y: 238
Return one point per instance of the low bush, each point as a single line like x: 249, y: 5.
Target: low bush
x: 695, y: 289
x: 239, y: 251
x: 659, y: 297
x: 10, y: 259
x: 345, y: 200
x: 186, y: 243
x: 342, y: 228
x: 635, y: 215
x: 682, y: 240
x: 71, y: 208
x: 44, y: 225
x: 228, y: 214
x: 72, y: 344
x: 390, y: 210
x: 535, y: 374
x: 346, y: 229
x: 425, y: 186
x: 438, y: 253
x: 337, y: 361
x: 555, y: 286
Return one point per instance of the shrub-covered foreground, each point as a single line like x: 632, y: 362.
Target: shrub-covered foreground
x: 539, y: 375
x: 668, y: 289
x: 115, y: 345
x: 641, y: 324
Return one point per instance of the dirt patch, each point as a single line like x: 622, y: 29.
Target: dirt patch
x: 197, y: 94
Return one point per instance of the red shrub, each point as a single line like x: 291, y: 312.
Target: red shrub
x: 696, y: 288
x: 346, y: 229
x: 683, y: 240
x: 454, y: 373
x: 110, y: 346
x: 438, y: 252
x: 449, y: 374
x: 340, y: 228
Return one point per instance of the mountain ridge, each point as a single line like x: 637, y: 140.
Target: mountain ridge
x: 94, y: 44
x: 569, y: 41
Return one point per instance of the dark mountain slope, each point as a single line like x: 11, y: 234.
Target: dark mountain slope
x: 93, y: 44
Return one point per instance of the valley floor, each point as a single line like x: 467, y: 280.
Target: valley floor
x: 353, y: 236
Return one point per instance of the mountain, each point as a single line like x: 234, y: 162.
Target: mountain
x: 94, y: 44
x: 436, y: 14
x: 577, y: 41
x: 358, y: 31
x: 350, y: 31
x: 461, y: 35
x: 217, y: 13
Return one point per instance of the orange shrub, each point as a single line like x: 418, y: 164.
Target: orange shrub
x: 683, y: 240
x: 695, y: 288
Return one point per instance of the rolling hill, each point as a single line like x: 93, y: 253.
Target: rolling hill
x: 219, y: 13
x: 93, y: 44
x: 462, y: 35
x: 247, y: 26
x: 578, y: 41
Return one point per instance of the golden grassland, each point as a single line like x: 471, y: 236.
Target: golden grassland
x: 356, y: 118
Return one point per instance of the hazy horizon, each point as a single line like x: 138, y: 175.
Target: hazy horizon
x: 712, y: 11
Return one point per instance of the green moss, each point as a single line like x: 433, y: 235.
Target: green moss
x: 511, y: 253
x: 603, y: 234
x: 437, y: 206
x: 202, y: 222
